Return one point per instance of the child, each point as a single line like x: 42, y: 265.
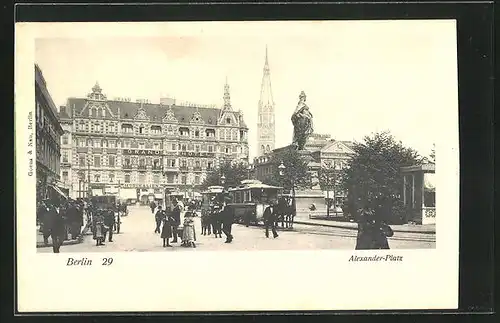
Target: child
x: 188, y: 234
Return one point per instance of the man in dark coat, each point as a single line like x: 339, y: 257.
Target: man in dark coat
x: 372, y: 233
x: 227, y: 219
x: 54, y: 226
x: 270, y: 218
x: 74, y: 221
x: 176, y: 216
x: 158, y: 218
x: 152, y: 205
x: 109, y: 222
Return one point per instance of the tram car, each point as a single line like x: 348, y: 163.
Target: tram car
x: 249, y: 200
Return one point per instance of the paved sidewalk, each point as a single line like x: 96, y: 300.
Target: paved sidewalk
x: 40, y: 244
x: 414, y: 228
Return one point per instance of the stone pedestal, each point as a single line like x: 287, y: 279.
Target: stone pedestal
x: 306, y: 196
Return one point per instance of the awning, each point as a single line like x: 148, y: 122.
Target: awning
x: 58, y: 191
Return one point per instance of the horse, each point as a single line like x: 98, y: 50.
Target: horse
x: 285, y: 212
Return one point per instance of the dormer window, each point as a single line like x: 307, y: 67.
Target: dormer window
x: 196, y: 133
x: 228, y: 120
x: 141, y: 129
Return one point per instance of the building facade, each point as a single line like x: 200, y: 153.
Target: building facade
x: 135, y: 149
x: 48, y: 133
x: 266, y: 123
x: 325, y: 152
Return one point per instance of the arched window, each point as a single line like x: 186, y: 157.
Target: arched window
x: 103, y: 112
x: 104, y: 143
x: 262, y: 149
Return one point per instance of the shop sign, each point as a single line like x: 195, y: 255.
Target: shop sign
x: 142, y: 152
x: 196, y: 154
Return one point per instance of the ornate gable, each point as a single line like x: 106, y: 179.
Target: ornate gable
x: 337, y: 147
x: 141, y: 114
x: 170, y: 116
x: 197, y: 118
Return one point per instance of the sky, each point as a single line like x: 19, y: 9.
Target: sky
x: 359, y: 76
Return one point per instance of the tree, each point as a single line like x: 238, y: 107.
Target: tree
x: 329, y: 178
x: 373, y: 175
x: 432, y: 156
x: 234, y: 173
x: 295, y: 174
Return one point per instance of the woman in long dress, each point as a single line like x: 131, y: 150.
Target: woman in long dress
x: 188, y: 234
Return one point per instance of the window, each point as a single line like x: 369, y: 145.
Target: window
x: 183, y: 147
x: 142, y: 162
x: 104, y: 143
x: 97, y: 143
x: 156, y: 145
x: 190, y: 147
x: 141, y: 145
x: 111, y: 177
x: 81, y: 160
x: 228, y: 120
x: 171, y: 162
x: 65, y: 156
x: 210, y: 148
x: 103, y: 112
x: 156, y: 163
x: 127, y: 178
x: 197, y: 164
x: 183, y: 179
x: 197, y: 133
x: 111, y: 161
x: 235, y: 149
x: 141, y: 129
x: 65, y: 176
x: 97, y: 161
x: 65, y: 139
x: 142, y: 178
x: 170, y: 178
x: 226, y: 150
x: 81, y: 142
x: 97, y: 178
x: 126, y: 162
x: 210, y: 165
x: 111, y: 144
x: 197, y: 179
x: 156, y: 179
x: 126, y: 144
x: 184, y: 163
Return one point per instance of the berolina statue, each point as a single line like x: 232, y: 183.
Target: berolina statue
x: 302, y: 123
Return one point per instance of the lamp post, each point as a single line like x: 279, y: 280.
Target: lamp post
x: 281, y: 169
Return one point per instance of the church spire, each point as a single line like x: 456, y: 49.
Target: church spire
x: 266, y: 124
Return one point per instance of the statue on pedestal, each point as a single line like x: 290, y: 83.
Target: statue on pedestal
x: 302, y: 123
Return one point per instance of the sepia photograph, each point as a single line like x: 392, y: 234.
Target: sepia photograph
x: 241, y: 137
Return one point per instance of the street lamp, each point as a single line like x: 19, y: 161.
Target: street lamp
x: 249, y: 169
x: 281, y: 169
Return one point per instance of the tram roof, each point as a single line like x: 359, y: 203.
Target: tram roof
x: 254, y: 186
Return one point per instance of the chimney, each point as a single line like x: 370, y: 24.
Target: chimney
x: 62, y: 109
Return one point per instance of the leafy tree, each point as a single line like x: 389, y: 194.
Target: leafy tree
x: 373, y: 176
x: 234, y: 173
x: 432, y: 156
x: 295, y: 171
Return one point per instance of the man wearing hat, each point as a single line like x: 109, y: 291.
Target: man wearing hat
x: 270, y: 218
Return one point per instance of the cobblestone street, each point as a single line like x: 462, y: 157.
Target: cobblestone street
x: 137, y: 234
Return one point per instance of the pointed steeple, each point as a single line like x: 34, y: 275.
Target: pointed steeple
x: 266, y: 123
x: 227, y: 97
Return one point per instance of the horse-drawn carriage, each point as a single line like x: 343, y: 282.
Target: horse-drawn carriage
x: 249, y: 200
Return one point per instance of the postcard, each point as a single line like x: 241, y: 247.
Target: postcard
x: 237, y: 166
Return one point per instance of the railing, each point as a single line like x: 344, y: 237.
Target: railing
x: 127, y: 166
